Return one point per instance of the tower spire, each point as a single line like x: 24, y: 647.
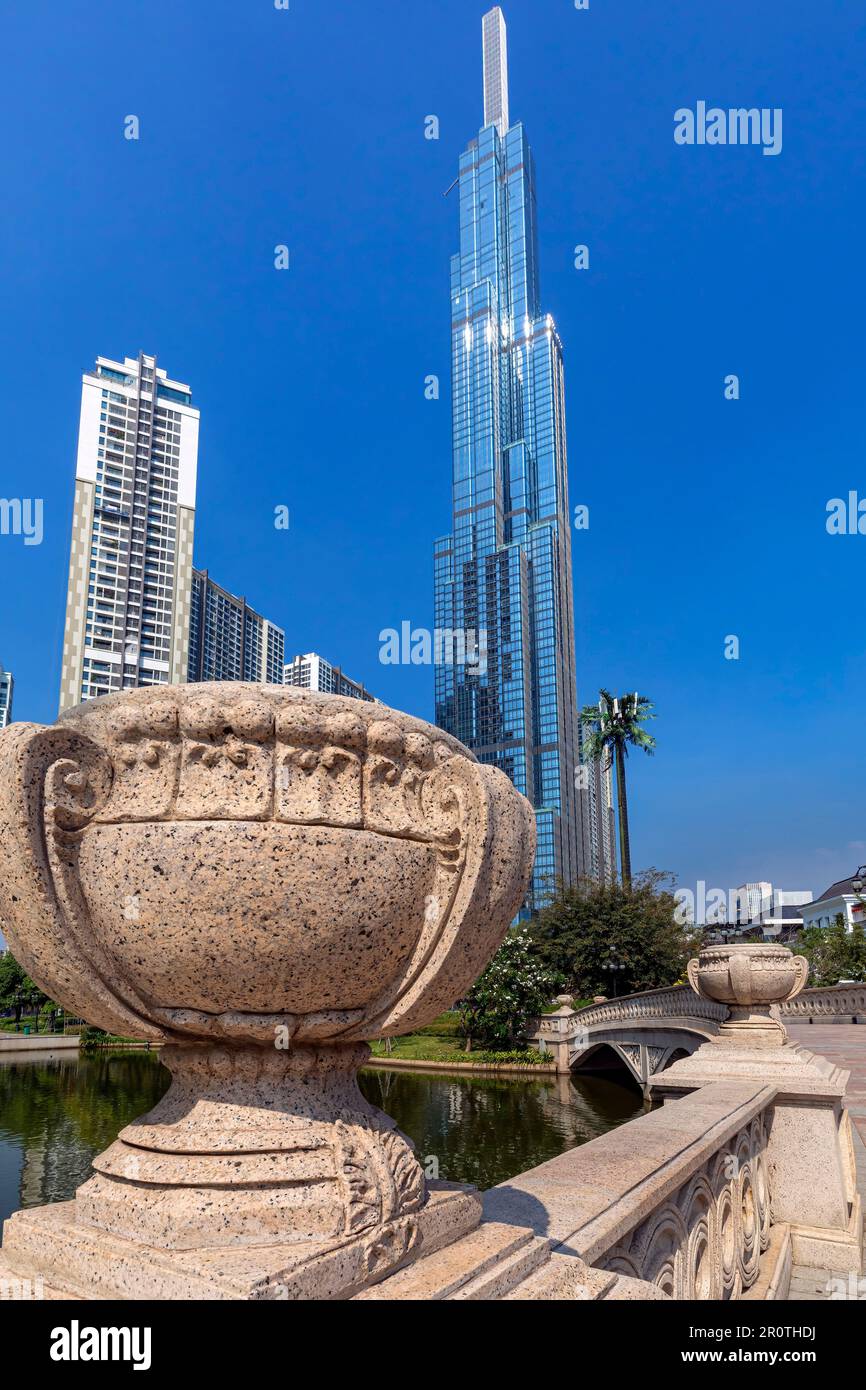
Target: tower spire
x: 495, y: 37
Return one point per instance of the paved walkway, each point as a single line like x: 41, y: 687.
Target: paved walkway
x: 845, y: 1045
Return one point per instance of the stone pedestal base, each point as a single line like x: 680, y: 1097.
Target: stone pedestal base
x: 254, y: 1146
x: 58, y: 1256
x: 752, y: 1028
x: 734, y: 1056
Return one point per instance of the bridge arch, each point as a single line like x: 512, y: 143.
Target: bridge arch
x: 605, y: 1058
x: 676, y: 1054
x: 643, y: 1052
x: 645, y: 1031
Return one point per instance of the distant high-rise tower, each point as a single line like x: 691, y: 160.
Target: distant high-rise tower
x: 313, y: 672
x: 598, y: 816
x: 130, y: 568
x: 228, y: 640
x: 506, y: 568
x: 7, y: 685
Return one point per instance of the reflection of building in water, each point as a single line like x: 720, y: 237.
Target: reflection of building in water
x: 455, y: 1104
x: 585, y: 1107
x: 32, y: 1177
x: 57, y: 1112
x: 486, y: 1128
x: 54, y: 1166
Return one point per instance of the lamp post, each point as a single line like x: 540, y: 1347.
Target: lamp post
x: 613, y: 965
x: 858, y: 882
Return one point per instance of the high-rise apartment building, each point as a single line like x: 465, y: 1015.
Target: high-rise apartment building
x: 602, y: 836
x: 505, y: 570
x: 228, y: 640
x: 130, y: 569
x: 598, y: 816
x: 313, y: 672
x: 7, y: 686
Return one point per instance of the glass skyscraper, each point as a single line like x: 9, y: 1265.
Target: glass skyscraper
x: 505, y: 571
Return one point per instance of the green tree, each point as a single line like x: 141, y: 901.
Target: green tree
x: 834, y: 953
x: 588, y: 928
x: 515, y: 986
x: 857, y: 952
x: 612, y: 727
x: 34, y: 999
x: 18, y: 991
x: 12, y: 982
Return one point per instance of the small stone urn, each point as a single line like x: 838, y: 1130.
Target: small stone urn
x: 753, y: 979
x: 260, y: 879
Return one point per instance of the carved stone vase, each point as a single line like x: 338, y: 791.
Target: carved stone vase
x: 261, y: 879
x: 753, y: 979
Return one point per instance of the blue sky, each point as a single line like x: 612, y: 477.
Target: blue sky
x: 306, y: 127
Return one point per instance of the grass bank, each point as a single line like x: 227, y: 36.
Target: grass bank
x: 440, y: 1042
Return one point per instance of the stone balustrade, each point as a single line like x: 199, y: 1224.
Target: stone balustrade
x: 746, y: 1170
x: 676, y: 1001
x: 833, y: 1004
x: 841, y: 1003
x: 678, y: 1204
x: 644, y: 1028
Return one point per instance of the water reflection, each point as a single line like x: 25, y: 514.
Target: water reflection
x: 55, y: 1115
x: 484, y: 1130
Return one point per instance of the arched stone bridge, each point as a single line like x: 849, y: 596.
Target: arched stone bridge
x: 646, y: 1032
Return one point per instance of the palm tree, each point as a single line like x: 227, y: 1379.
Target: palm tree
x: 612, y: 726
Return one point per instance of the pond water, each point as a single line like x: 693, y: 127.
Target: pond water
x: 55, y: 1115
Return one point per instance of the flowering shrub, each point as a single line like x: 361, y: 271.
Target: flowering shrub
x: 515, y: 986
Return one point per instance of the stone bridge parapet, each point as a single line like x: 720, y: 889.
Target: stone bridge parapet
x: 644, y: 1030
x: 832, y: 1004
x: 648, y: 1029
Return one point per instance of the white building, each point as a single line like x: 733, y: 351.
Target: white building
x: 839, y: 898
x: 130, y: 567
x: 7, y: 685
x: 783, y: 921
x: 598, y: 815
x: 752, y: 901
x: 313, y: 672
x: 778, y: 913
x: 605, y: 838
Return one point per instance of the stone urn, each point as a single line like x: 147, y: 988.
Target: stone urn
x: 752, y: 979
x: 260, y: 879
